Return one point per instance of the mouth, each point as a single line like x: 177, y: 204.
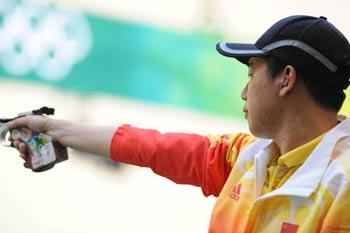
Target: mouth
x: 245, y: 112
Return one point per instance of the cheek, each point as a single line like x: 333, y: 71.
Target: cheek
x: 255, y: 95
x: 261, y: 91
x: 261, y: 101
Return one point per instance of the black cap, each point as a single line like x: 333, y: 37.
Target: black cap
x: 312, y: 45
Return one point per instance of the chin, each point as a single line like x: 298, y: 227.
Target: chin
x: 252, y: 129
x: 256, y: 131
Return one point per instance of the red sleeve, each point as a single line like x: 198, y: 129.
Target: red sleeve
x: 183, y: 158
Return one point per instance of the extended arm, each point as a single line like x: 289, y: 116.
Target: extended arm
x: 183, y: 158
x: 91, y: 139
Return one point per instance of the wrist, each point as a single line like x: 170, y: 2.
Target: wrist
x: 55, y: 128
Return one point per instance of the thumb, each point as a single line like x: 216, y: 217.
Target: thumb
x: 18, y: 122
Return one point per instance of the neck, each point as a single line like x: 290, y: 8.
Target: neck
x: 299, y: 128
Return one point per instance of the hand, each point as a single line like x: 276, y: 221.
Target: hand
x: 78, y: 136
x: 35, y: 123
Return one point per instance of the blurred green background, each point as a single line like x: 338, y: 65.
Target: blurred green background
x: 119, y: 58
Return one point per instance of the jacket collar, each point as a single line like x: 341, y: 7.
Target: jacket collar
x: 307, y: 178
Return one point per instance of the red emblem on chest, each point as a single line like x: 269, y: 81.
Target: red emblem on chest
x: 236, y: 191
x: 289, y: 228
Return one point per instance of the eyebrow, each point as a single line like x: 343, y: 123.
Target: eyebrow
x: 251, y: 63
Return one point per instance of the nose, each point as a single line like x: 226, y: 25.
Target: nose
x: 244, y: 93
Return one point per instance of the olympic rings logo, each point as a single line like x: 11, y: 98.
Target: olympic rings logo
x: 41, y: 38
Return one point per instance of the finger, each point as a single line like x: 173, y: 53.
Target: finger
x: 15, y: 144
x: 23, y: 156
x: 11, y: 140
x: 18, y: 122
x: 22, y: 148
x: 26, y: 164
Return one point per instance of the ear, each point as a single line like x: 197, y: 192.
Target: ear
x: 288, y: 80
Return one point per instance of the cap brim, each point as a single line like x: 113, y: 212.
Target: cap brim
x: 242, y: 52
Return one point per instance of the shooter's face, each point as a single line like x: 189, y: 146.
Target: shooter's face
x: 261, y: 99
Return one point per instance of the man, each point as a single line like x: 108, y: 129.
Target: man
x: 292, y: 175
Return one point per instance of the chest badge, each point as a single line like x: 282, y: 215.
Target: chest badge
x: 236, y: 192
x: 289, y: 228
